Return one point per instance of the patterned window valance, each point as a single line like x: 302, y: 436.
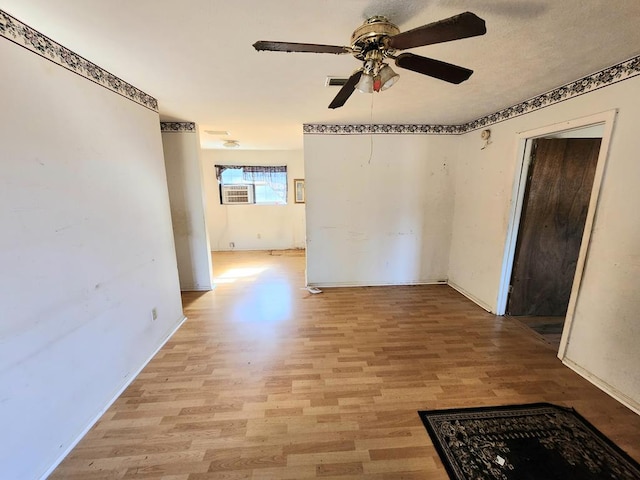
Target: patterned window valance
x: 248, y: 170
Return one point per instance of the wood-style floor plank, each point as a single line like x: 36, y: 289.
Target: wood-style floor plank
x: 267, y: 381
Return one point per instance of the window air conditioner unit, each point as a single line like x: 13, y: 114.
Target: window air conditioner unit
x: 237, y: 194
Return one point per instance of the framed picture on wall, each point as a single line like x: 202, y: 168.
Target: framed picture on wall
x: 298, y: 189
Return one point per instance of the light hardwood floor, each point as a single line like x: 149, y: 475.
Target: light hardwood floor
x: 267, y: 381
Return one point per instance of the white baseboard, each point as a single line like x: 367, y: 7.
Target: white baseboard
x: 197, y: 288
x: 471, y: 297
x: 604, y: 386
x: 130, y: 379
x: 257, y: 249
x: 373, y: 284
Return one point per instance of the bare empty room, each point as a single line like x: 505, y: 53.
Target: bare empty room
x: 249, y: 240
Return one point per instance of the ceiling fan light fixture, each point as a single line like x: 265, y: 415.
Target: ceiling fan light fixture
x: 378, y: 39
x: 365, y: 85
x: 387, y: 77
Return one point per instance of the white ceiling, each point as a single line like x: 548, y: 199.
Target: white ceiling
x: 196, y: 57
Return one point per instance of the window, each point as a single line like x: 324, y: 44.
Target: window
x: 250, y: 184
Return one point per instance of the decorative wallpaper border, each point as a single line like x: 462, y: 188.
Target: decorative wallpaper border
x: 17, y: 32
x: 321, y: 129
x: 603, y: 78
x: 182, y: 127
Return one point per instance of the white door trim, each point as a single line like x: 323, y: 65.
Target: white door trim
x: 524, y: 140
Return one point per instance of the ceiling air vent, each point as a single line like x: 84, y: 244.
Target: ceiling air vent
x: 335, y: 81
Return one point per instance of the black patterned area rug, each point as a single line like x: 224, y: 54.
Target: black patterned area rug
x: 525, y: 442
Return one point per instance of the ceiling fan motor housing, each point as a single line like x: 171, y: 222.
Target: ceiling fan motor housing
x: 370, y: 36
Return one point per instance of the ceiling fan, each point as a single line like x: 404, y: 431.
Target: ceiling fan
x: 377, y: 39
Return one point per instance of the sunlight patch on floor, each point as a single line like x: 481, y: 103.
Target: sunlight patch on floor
x: 268, y: 304
x: 234, y: 274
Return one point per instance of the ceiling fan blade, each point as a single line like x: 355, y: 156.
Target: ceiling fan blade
x: 346, y: 90
x: 434, y: 68
x: 299, y: 47
x: 459, y: 26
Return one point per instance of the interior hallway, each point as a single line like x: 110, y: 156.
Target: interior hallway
x: 267, y: 381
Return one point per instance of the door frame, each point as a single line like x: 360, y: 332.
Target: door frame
x: 524, y: 142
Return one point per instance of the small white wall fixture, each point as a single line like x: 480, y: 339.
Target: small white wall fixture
x: 523, y: 147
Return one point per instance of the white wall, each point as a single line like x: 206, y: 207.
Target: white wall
x: 86, y: 252
x: 254, y: 227
x: 382, y: 221
x: 603, y: 344
x: 186, y: 195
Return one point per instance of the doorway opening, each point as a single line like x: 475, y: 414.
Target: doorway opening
x: 555, y: 197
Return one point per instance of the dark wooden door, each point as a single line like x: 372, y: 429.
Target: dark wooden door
x: 551, y: 225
